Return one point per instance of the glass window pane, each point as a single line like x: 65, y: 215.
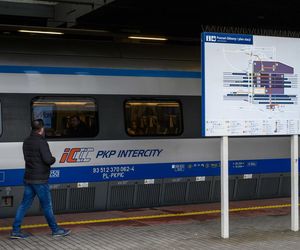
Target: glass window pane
x: 153, y: 118
x: 67, y: 116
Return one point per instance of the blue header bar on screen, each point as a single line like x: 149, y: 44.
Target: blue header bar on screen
x: 228, y: 38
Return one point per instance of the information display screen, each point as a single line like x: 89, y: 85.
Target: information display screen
x: 250, y: 85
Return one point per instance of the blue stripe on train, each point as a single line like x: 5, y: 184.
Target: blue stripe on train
x: 98, y: 71
x: 14, y: 177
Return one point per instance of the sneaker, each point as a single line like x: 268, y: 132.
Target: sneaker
x: 61, y: 232
x: 19, y: 235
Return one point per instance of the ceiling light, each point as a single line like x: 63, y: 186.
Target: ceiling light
x: 41, y: 32
x: 45, y: 2
x: 148, y: 38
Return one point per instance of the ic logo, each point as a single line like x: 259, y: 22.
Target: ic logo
x: 75, y: 155
x: 211, y: 38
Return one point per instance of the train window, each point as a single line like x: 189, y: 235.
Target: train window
x: 67, y: 116
x: 153, y: 118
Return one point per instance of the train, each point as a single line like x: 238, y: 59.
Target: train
x: 140, y: 106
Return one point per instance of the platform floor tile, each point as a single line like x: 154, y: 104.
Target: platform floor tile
x: 257, y: 232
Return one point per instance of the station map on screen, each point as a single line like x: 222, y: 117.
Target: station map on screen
x: 250, y: 85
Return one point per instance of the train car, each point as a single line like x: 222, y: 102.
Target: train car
x: 124, y: 123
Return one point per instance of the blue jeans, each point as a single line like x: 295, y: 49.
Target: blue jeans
x: 44, y: 195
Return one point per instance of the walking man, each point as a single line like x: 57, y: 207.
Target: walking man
x: 38, y: 160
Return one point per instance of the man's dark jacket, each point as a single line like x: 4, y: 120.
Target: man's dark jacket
x: 38, y: 159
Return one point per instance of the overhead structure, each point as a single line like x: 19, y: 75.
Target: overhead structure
x: 51, y: 13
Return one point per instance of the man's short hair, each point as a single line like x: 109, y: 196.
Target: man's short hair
x: 37, y: 124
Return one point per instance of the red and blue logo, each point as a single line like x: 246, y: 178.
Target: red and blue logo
x: 75, y: 155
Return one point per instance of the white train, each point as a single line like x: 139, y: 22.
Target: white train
x: 140, y: 143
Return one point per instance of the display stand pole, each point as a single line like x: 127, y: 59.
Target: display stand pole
x: 224, y: 188
x: 294, y: 184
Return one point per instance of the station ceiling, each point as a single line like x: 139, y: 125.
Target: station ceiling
x: 178, y: 20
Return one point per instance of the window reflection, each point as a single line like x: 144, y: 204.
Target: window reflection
x: 153, y: 118
x: 66, y: 116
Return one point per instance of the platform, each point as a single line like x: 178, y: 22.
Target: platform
x: 260, y: 224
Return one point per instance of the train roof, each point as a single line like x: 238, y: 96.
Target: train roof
x: 45, y: 51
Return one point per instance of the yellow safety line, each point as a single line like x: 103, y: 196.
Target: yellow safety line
x: 151, y: 216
